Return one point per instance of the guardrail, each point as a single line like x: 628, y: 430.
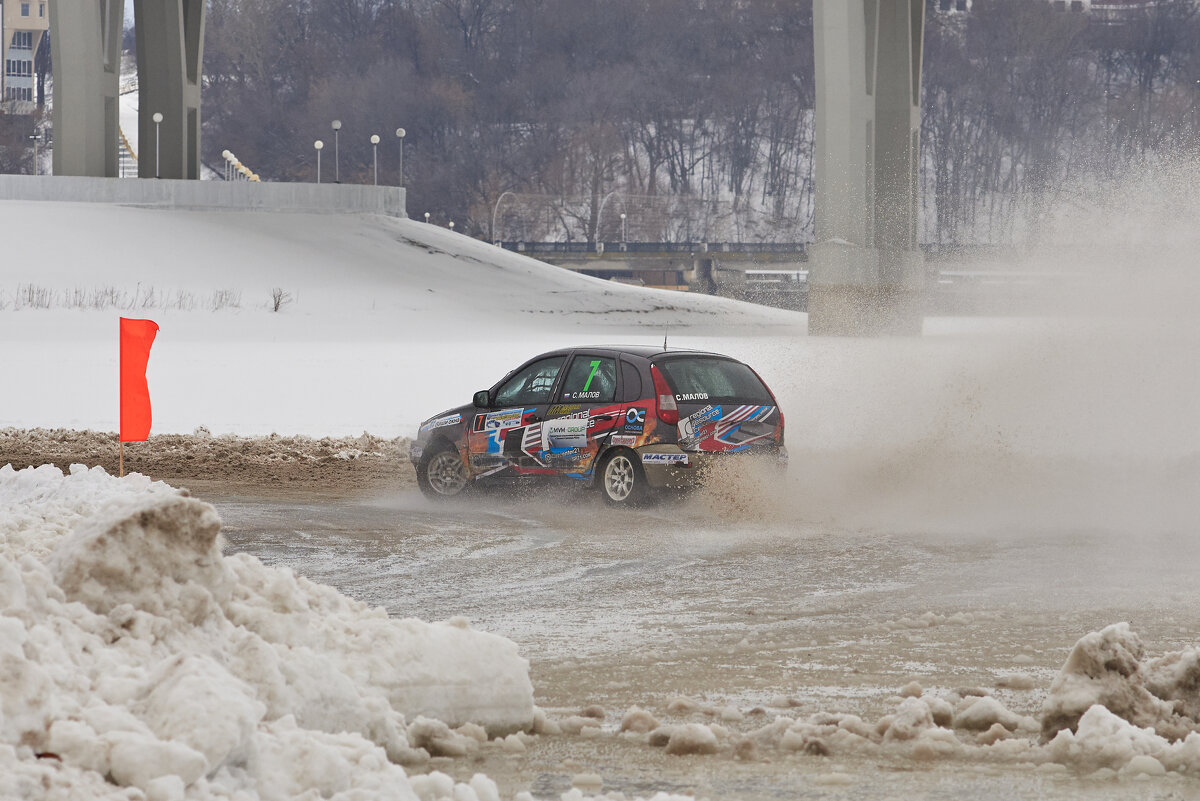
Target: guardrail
x: 932, y: 250
x: 797, y: 248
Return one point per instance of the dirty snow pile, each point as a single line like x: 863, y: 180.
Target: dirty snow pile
x: 1110, y: 711
x: 1110, y: 707
x: 133, y: 654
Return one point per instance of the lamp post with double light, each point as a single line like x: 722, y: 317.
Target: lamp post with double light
x: 36, y: 138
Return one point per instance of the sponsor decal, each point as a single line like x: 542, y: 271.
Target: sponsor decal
x: 499, y: 421
x: 628, y: 440
x: 562, y: 408
x: 692, y: 396
x: 442, y: 422
x: 692, y: 426
x: 635, y: 420
x: 664, y: 458
x: 417, y: 452
x: 564, y: 434
x: 585, y: 395
x: 496, y: 425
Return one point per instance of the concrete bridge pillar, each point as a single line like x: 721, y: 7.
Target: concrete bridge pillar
x: 85, y: 37
x: 866, y: 273
x: 85, y: 44
x: 170, y: 44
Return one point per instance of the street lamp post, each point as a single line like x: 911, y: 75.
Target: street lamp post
x: 426, y: 218
x: 158, y: 118
x: 35, y: 138
x: 452, y: 225
x: 337, y: 167
x: 375, y: 155
x: 600, y: 214
x: 318, y: 145
x: 495, y: 209
x: 400, y: 132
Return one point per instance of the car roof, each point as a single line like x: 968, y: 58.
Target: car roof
x: 644, y: 351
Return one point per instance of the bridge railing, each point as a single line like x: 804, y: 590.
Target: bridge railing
x: 796, y: 248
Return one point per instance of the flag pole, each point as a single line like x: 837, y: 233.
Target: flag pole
x: 121, y: 450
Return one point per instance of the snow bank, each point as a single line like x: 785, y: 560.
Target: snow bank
x: 131, y: 648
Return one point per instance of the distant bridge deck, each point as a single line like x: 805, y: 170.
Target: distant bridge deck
x: 970, y: 279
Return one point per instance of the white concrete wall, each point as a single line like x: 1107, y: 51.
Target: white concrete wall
x: 234, y: 195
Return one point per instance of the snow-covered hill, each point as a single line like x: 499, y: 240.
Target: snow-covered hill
x: 382, y: 321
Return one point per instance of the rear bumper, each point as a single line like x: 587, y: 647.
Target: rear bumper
x: 671, y: 467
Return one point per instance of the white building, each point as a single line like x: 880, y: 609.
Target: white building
x: 24, y: 24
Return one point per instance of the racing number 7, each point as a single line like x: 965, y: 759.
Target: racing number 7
x: 591, y: 375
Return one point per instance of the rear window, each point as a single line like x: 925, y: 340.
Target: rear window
x: 698, y: 378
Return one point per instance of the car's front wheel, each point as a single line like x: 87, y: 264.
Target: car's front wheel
x: 622, y: 479
x: 442, y: 474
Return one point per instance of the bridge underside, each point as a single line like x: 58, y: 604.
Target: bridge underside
x: 85, y: 37
x: 866, y: 272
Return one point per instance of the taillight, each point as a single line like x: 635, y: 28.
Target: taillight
x: 668, y: 411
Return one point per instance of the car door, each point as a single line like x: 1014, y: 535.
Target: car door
x: 517, y: 405
x: 586, y: 409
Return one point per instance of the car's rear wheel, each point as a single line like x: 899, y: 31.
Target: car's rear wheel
x: 622, y: 479
x: 442, y: 474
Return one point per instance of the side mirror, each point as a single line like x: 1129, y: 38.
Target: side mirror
x: 481, y: 399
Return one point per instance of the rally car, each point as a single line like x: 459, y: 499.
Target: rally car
x: 630, y: 420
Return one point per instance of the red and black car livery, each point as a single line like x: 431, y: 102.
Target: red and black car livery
x: 628, y: 419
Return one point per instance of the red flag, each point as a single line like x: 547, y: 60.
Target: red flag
x: 136, y: 338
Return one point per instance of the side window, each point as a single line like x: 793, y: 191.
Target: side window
x: 531, y: 385
x: 631, y: 383
x: 592, y: 379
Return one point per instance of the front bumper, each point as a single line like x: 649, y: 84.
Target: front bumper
x: 671, y: 467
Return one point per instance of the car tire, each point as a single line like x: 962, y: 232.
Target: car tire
x: 621, y: 478
x: 441, y: 475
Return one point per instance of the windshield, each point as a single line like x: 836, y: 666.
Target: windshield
x: 531, y: 385
x: 705, y: 378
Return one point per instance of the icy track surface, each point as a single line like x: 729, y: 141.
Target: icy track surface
x: 136, y: 659
x: 711, y: 649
